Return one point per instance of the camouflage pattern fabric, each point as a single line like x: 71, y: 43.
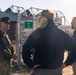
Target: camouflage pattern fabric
x: 5, y: 44
x: 4, y: 67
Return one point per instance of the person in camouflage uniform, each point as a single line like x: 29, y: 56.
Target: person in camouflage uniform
x: 6, y: 49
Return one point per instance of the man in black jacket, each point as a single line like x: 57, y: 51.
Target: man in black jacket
x: 48, y: 44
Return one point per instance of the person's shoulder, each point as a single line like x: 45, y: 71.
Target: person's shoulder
x: 36, y: 33
x: 37, y: 30
x: 62, y: 32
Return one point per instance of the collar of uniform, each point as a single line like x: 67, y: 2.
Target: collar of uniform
x: 2, y: 33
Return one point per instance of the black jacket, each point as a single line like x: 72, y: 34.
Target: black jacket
x: 74, y: 36
x: 49, y: 44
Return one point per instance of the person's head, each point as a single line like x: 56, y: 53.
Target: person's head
x: 73, y: 23
x: 45, y: 15
x: 4, y: 24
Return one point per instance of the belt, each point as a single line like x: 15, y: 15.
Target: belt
x: 47, y: 67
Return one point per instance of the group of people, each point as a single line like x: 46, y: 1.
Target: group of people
x: 46, y: 45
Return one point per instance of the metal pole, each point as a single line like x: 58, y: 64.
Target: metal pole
x: 18, y: 41
x: 64, y: 20
x: 34, y: 23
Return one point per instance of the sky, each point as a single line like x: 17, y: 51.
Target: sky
x: 67, y: 7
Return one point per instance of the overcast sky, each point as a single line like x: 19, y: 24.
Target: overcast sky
x: 67, y: 7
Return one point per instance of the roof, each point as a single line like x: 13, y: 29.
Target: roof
x: 13, y: 16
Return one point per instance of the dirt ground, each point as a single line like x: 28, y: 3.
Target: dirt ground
x: 68, y: 71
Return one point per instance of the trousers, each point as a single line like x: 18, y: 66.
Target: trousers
x: 4, y: 67
x: 57, y: 71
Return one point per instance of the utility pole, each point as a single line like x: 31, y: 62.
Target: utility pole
x: 34, y: 24
x: 18, y: 40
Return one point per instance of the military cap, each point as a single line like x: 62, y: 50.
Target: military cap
x: 5, y: 19
x: 48, y: 14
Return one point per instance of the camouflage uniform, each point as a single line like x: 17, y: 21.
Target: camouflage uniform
x: 4, y: 67
x: 4, y: 63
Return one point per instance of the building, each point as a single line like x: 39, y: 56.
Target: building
x: 14, y: 19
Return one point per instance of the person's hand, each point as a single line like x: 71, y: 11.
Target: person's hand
x: 32, y: 69
x: 14, y: 56
x: 63, y: 65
